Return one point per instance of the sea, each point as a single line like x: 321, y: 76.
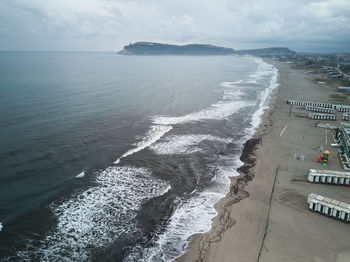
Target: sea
x: 107, y: 157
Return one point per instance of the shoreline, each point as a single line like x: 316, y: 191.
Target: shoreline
x: 293, y: 232
x: 267, y: 219
x: 199, y: 244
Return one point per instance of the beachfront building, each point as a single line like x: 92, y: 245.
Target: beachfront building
x: 343, y: 136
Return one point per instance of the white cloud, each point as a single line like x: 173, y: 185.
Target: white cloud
x: 109, y: 24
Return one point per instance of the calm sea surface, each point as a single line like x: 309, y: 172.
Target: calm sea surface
x: 119, y: 158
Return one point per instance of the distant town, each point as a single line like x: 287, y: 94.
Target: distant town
x: 333, y: 69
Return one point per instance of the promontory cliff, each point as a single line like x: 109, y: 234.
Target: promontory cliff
x: 149, y: 48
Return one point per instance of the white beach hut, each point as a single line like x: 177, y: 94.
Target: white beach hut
x: 329, y: 207
x: 329, y: 176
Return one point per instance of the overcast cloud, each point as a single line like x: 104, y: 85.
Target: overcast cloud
x: 107, y: 25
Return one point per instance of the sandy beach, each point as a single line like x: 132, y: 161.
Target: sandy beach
x: 265, y: 216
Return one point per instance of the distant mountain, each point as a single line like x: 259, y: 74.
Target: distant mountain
x: 271, y: 51
x: 148, y: 48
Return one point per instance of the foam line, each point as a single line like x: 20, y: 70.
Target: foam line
x: 80, y: 175
x: 166, y: 190
x: 230, y: 84
x: 1, y: 226
x: 264, y: 99
x: 185, y: 144
x: 154, y: 134
x: 219, y: 110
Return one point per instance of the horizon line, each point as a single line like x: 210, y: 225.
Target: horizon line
x: 110, y: 51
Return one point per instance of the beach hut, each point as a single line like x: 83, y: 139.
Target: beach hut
x: 329, y: 207
x: 329, y: 177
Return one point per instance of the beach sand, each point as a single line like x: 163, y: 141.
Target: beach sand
x: 265, y: 217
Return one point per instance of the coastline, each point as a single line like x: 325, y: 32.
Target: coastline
x: 264, y: 216
x: 293, y: 232
x: 226, y: 227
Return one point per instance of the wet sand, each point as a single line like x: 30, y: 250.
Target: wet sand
x: 264, y: 217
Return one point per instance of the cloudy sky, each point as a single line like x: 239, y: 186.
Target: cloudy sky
x: 107, y: 25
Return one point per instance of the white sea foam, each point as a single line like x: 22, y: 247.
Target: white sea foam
x: 233, y: 95
x: 1, y: 226
x: 219, y: 110
x: 230, y: 84
x: 166, y: 190
x: 263, y: 69
x: 80, y: 175
x: 224, y: 108
x: 264, y: 100
x: 240, y: 83
x: 192, y: 216
x: 185, y: 144
x: 154, y: 134
x: 99, y: 215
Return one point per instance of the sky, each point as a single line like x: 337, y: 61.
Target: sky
x: 108, y: 25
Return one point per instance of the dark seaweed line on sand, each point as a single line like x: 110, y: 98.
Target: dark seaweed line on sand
x: 237, y: 192
x: 235, y: 195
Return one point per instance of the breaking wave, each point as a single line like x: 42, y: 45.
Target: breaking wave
x: 185, y: 144
x: 194, y: 214
x: 264, y: 96
x: 97, y: 216
x: 218, y: 111
x: 154, y: 134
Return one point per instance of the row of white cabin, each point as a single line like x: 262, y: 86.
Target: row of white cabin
x: 329, y: 177
x: 340, y: 108
x: 343, y: 108
x: 307, y: 103
x: 329, y: 207
x: 322, y: 117
x: 320, y: 109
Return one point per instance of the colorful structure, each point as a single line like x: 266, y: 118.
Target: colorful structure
x: 323, y: 158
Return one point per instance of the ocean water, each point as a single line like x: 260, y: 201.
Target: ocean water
x: 119, y: 158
